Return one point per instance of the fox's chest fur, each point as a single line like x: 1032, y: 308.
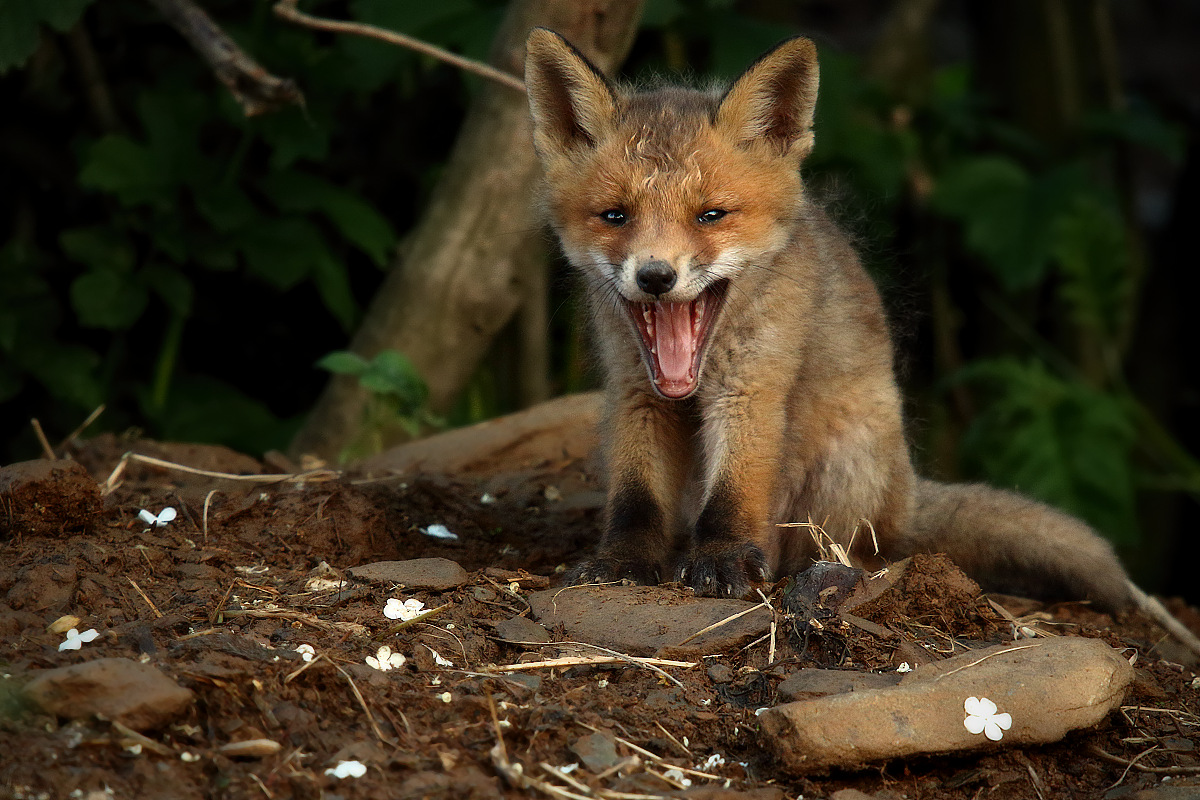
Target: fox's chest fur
x: 749, y: 371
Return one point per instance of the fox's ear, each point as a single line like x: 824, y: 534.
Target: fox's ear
x: 775, y: 98
x: 571, y: 101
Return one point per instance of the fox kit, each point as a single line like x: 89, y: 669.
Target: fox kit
x: 748, y: 360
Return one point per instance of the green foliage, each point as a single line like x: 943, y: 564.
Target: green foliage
x: 21, y: 22
x: 398, y: 397
x: 188, y: 194
x: 1059, y: 440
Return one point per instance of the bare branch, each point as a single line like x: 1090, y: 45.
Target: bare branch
x: 286, y: 9
x: 257, y: 90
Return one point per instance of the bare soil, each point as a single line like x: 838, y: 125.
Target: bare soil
x: 220, y: 598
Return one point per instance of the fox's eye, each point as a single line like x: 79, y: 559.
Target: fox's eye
x: 712, y: 215
x: 614, y: 216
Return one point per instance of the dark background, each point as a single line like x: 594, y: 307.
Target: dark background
x: 1022, y: 179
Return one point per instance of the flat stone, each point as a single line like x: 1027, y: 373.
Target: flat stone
x: 47, y: 498
x: 1049, y: 688
x: 597, y: 751
x: 437, y: 574
x: 522, y: 629
x: 648, y: 620
x: 720, y: 673
x: 134, y: 694
x: 809, y: 683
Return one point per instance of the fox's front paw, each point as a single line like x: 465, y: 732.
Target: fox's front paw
x: 611, y: 570
x: 728, y: 570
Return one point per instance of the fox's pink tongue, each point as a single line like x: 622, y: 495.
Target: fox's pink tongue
x: 674, y: 340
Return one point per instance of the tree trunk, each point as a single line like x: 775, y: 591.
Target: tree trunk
x: 477, y: 245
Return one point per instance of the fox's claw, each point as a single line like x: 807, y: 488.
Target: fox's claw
x: 729, y: 571
x: 610, y: 570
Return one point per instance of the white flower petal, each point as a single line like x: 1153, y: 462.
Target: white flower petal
x: 393, y: 609
x: 89, y: 635
x: 439, y: 532
x: 146, y: 517
x: 165, y: 516
x: 992, y: 731
x: 347, y: 769
x: 1003, y: 720
x: 374, y: 664
x: 986, y: 707
x: 974, y: 724
x: 971, y: 706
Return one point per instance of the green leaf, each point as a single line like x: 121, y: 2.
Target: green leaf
x: 281, y: 251
x: 99, y: 247
x: 334, y: 287
x: 69, y: 372
x: 1056, y: 439
x: 129, y: 170
x: 20, y: 21
x: 109, y: 300
x: 59, y: 14
x: 343, y: 362
x: 354, y: 218
x: 226, y: 206
x: 204, y: 409
x: 392, y: 374
x: 1009, y: 217
x: 172, y: 286
x: 1092, y: 253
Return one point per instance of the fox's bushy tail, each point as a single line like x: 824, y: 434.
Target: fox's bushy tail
x: 1010, y: 543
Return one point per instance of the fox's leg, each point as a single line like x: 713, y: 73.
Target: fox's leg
x: 742, y: 434
x: 649, y: 459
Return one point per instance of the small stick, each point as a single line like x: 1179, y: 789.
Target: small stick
x: 47, y: 450
x: 725, y: 621
x: 294, y: 477
x: 207, y: 500
x: 1096, y: 750
x: 399, y: 626
x: 286, y: 9
x: 985, y: 658
x: 584, y: 661
x: 257, y: 90
x: 298, y: 671
x: 655, y: 758
x: 352, y: 628
x: 370, y: 717
x: 73, y: 435
x: 565, y: 778
x: 678, y: 743
x: 648, y: 663
x: 153, y: 608
x: 1157, y: 612
x: 145, y: 741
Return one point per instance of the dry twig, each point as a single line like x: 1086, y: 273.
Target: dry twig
x: 257, y: 90
x: 286, y: 9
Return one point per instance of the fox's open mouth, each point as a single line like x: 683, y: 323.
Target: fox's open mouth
x: 674, y: 338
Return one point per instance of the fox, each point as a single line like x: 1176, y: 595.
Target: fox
x: 748, y: 362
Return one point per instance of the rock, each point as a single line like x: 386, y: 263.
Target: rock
x: 250, y: 748
x: 597, y: 751
x: 43, y: 587
x: 720, y: 673
x: 438, y: 574
x: 1049, y: 688
x: 648, y: 620
x: 809, y: 683
x: 851, y: 794
x: 562, y: 429
x: 522, y: 629
x: 1167, y: 793
x: 46, y: 498
x: 135, y: 694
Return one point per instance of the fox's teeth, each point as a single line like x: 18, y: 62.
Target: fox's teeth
x: 646, y: 315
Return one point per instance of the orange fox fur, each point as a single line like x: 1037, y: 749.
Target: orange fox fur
x: 749, y: 364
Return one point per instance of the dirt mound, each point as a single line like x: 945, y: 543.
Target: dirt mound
x: 221, y: 600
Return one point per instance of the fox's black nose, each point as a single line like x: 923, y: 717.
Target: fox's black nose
x: 655, y: 277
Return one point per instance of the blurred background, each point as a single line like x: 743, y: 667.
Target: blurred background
x: 1021, y: 178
